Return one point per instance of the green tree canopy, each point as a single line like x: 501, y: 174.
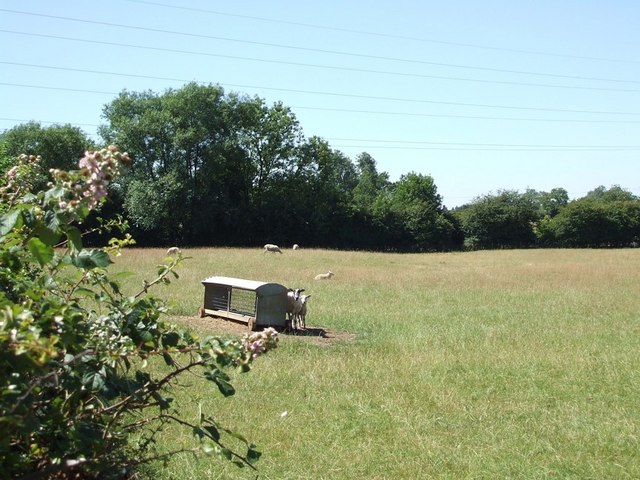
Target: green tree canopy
x: 59, y: 146
x: 502, y: 220
x: 603, y: 218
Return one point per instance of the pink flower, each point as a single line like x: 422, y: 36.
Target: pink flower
x: 11, y: 173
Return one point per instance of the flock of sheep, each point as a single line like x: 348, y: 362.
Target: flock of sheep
x: 296, y: 301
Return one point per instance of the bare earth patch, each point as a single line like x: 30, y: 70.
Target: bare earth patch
x: 220, y: 326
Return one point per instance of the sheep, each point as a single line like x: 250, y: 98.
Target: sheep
x: 173, y: 251
x: 324, y: 276
x: 293, y: 306
x: 296, y: 246
x: 302, y: 313
x: 270, y: 247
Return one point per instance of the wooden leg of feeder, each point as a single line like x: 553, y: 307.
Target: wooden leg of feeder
x: 252, y: 324
x: 201, y: 313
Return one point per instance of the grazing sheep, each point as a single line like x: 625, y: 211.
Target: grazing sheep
x: 293, y: 306
x: 302, y: 313
x: 270, y: 247
x: 296, y: 246
x: 324, y: 276
x: 173, y: 251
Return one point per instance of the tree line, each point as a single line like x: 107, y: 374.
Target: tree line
x: 212, y: 168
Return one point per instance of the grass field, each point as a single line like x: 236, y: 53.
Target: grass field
x: 501, y: 364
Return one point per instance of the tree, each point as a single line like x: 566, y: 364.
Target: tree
x: 59, y: 146
x: 600, y: 219
x: 227, y: 158
x: 553, y: 202
x: 370, y: 182
x: 322, y: 192
x: 416, y: 207
x: 269, y: 137
x: 148, y: 202
x: 505, y: 220
x: 613, y: 194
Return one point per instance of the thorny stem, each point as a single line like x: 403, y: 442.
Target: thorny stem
x: 147, y: 390
x: 217, y: 442
x: 166, y: 272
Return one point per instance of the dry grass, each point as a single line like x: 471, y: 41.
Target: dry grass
x: 518, y: 364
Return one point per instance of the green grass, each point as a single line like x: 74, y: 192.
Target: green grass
x: 502, y: 364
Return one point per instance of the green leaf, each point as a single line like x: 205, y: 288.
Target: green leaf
x: 47, y: 235
x: 93, y: 381
x: 52, y: 222
x: 213, y: 432
x: 8, y: 221
x: 226, y: 453
x: 170, y: 339
x: 220, y: 379
x: 115, y: 287
x: 41, y: 252
x: 85, y: 292
x: 75, y: 239
x: 123, y: 275
x: 91, y: 259
x: 168, y: 359
x: 163, y: 403
x: 208, y: 448
x: 253, y: 455
x: 238, y: 436
x: 53, y: 193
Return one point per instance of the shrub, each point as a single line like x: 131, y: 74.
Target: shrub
x: 74, y: 347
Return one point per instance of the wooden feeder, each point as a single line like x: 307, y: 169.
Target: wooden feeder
x: 258, y: 304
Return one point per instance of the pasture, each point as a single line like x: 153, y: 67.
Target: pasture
x: 498, y: 364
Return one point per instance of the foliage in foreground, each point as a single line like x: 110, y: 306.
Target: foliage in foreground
x: 74, y: 347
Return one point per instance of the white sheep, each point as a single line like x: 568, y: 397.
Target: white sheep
x: 293, y: 306
x: 173, y: 251
x: 324, y: 276
x: 296, y: 246
x: 270, y: 247
x: 302, y: 313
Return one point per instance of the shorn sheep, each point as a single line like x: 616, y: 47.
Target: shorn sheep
x: 293, y: 305
x: 325, y: 276
x: 302, y: 313
x: 270, y: 247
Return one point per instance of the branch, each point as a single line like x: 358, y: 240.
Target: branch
x: 145, y: 390
x: 53, y: 374
x: 168, y: 270
x: 217, y: 442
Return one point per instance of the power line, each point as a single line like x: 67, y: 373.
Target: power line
x: 64, y: 89
x: 319, y: 50
x: 315, y: 92
x: 387, y: 35
x: 481, y: 149
x: 375, y: 112
x: 470, y: 117
x: 422, y: 142
x: 445, y: 146
x: 328, y: 67
x: 22, y: 120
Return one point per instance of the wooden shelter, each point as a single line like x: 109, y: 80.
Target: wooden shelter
x: 258, y: 304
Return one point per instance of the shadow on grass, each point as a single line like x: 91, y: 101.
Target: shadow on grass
x: 306, y: 332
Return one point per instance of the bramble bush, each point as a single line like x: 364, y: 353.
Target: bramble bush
x: 74, y: 348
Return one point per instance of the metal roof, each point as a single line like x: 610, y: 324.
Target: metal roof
x: 237, y: 282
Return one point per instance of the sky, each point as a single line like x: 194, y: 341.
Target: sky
x: 483, y: 96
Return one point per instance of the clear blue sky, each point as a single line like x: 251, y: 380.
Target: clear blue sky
x: 482, y: 96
